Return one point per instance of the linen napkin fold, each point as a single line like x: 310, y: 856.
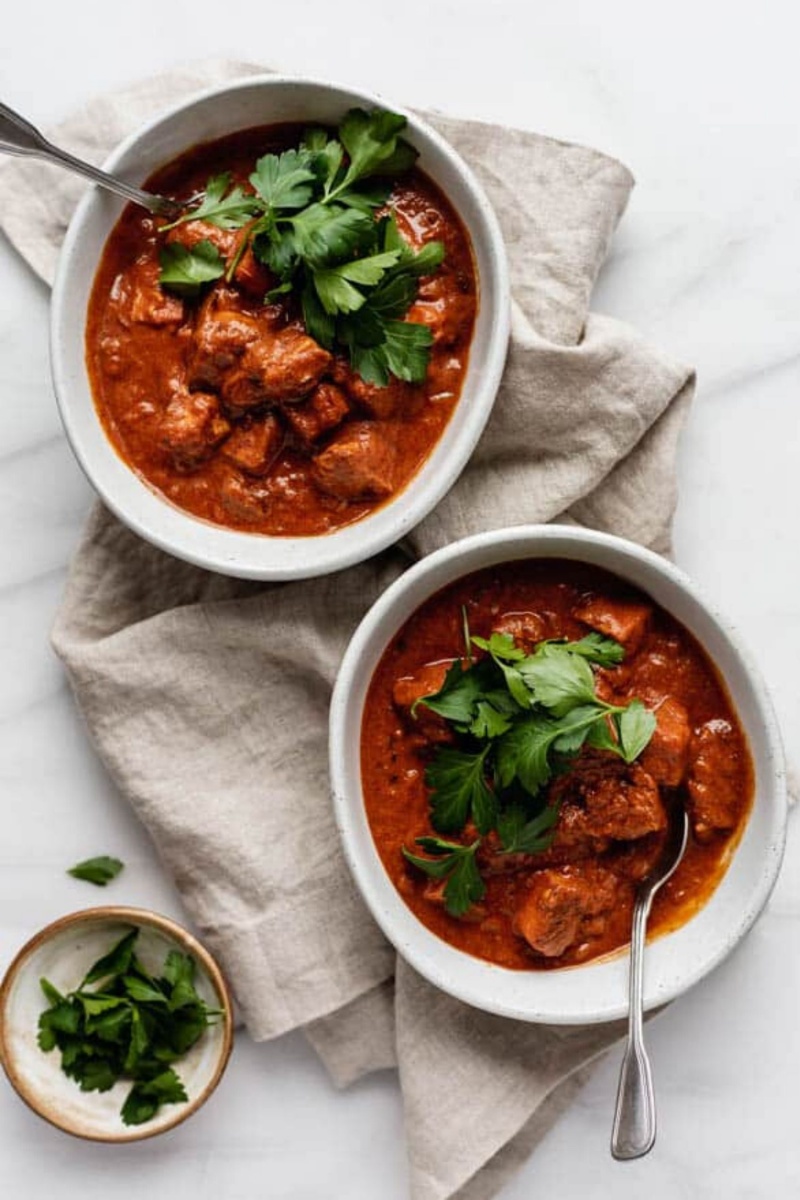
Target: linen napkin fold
x: 207, y: 697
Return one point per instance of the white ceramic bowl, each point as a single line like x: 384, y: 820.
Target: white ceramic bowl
x: 63, y: 952
x: 596, y: 991
x: 221, y: 110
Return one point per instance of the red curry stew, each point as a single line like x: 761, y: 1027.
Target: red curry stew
x: 226, y: 406
x: 573, y: 901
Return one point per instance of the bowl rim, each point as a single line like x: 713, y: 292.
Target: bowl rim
x: 236, y: 552
x: 433, y: 957
x: 123, y: 914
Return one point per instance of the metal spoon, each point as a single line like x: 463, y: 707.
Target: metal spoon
x: 19, y: 137
x: 634, y: 1131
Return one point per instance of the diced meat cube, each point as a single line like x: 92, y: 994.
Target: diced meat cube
x: 192, y: 427
x: 324, y: 409
x: 150, y: 304
x: 192, y: 232
x: 254, y: 445
x: 563, y: 906
x: 252, y: 276
x: 221, y: 337
x: 425, y: 682
x: 444, y: 307
x: 282, y: 365
x: 526, y: 628
x: 715, y: 797
x: 624, y: 622
x: 396, y: 399
x: 243, y: 498
x: 604, y: 799
x: 358, y: 462
x: 667, y: 754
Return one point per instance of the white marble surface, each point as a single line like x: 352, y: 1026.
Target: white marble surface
x: 702, y: 102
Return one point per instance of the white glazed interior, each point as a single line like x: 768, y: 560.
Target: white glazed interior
x: 222, y: 110
x: 595, y: 991
x: 64, y: 959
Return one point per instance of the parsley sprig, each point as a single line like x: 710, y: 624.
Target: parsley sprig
x: 519, y: 718
x: 132, y: 1026
x: 311, y: 218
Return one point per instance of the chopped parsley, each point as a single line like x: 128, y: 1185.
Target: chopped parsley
x: 311, y: 218
x: 132, y: 1026
x: 99, y: 871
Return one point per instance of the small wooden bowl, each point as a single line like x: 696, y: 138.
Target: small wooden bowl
x: 63, y: 952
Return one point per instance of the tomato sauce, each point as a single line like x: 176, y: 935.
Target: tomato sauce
x: 139, y: 350
x: 667, y: 662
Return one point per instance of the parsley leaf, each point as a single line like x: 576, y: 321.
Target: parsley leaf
x: 458, y: 695
x: 518, y: 835
x: 144, y: 1099
x: 372, y: 143
x: 225, y: 209
x: 460, y: 791
x: 185, y: 270
x: 636, y: 725
x: 285, y: 180
x: 506, y: 654
x: 99, y: 871
x: 558, y: 679
x: 456, y: 864
x: 116, y: 962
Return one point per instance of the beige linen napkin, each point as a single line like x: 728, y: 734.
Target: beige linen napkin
x: 207, y: 697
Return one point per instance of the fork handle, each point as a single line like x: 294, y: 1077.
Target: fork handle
x: 20, y: 138
x: 634, y: 1130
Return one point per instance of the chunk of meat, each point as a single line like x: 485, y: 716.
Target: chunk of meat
x: 715, y: 774
x: 325, y: 408
x: 282, y: 365
x: 396, y: 399
x: 254, y: 445
x: 445, y: 307
x: 150, y: 304
x: 624, y: 622
x: 252, y: 276
x: 221, y: 337
x: 244, y: 499
x: 564, y: 906
x: 192, y: 232
x: 667, y: 754
x: 425, y: 682
x: 192, y: 427
x: 526, y: 628
x: 358, y: 462
x: 604, y: 799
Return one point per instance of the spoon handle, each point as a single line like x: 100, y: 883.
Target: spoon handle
x: 19, y: 137
x: 634, y: 1130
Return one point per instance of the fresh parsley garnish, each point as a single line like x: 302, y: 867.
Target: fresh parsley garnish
x: 221, y: 205
x: 312, y: 220
x: 132, y: 1026
x: 456, y: 864
x: 99, y: 871
x: 518, y: 719
x: 185, y: 270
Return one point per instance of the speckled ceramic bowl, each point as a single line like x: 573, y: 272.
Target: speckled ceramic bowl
x: 221, y: 110
x: 596, y: 990
x: 63, y: 953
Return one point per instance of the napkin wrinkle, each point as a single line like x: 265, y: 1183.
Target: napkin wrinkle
x: 207, y: 697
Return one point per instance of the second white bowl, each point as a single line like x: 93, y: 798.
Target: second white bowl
x: 595, y: 991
